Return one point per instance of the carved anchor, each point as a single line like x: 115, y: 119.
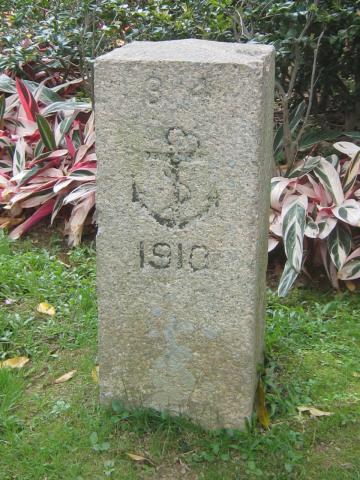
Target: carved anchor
x: 180, y: 148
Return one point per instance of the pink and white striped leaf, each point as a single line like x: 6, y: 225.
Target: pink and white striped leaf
x: 305, y: 166
x: 57, y: 207
x: 62, y: 184
x: 25, y: 127
x: 339, y: 245
x: 351, y: 268
x: 351, y: 174
x: 294, y: 221
x: 38, y: 199
x: 287, y: 279
x: 311, y: 229
x: 82, y: 191
x: 40, y: 213
x: 76, y: 222
x: 328, y: 265
x: 89, y: 127
x: 330, y: 179
x: 19, y: 157
x: 349, y: 148
x: 278, y: 186
x: 349, y: 212
x: 272, y: 243
x: 326, y: 226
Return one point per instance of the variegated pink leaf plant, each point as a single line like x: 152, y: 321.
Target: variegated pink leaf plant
x: 316, y: 208
x: 47, y: 156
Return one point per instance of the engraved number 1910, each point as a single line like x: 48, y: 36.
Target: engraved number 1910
x: 162, y: 255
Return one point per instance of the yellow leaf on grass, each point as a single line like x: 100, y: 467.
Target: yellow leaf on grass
x: 140, y: 458
x: 46, y: 308
x: 95, y: 374
x: 64, y: 378
x: 314, y: 412
x: 16, y: 362
x: 350, y: 285
x: 136, y: 458
x: 261, y: 410
x: 356, y: 374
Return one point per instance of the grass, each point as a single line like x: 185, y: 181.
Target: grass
x: 50, y: 431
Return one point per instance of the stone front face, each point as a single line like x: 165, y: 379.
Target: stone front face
x: 184, y: 138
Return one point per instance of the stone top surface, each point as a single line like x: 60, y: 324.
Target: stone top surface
x: 190, y: 50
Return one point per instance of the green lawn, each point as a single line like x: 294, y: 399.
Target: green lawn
x: 50, y: 431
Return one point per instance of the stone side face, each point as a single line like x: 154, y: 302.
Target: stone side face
x: 184, y: 141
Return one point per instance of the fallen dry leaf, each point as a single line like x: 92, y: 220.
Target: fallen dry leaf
x: 46, y: 308
x: 95, y: 374
x: 350, y: 285
x: 16, y: 362
x: 261, y: 410
x: 136, y: 458
x: 139, y: 458
x: 64, y: 378
x: 6, y: 222
x: 314, y: 412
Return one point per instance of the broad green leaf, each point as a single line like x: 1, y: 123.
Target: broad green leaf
x: 354, y: 135
x: 349, y: 212
x: 339, y: 245
x: 287, y: 279
x: 330, y: 179
x: 294, y: 217
x: 46, y: 133
x: 313, y: 137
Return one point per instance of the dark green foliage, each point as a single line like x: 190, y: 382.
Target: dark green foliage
x: 338, y: 62
x: 66, y: 35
